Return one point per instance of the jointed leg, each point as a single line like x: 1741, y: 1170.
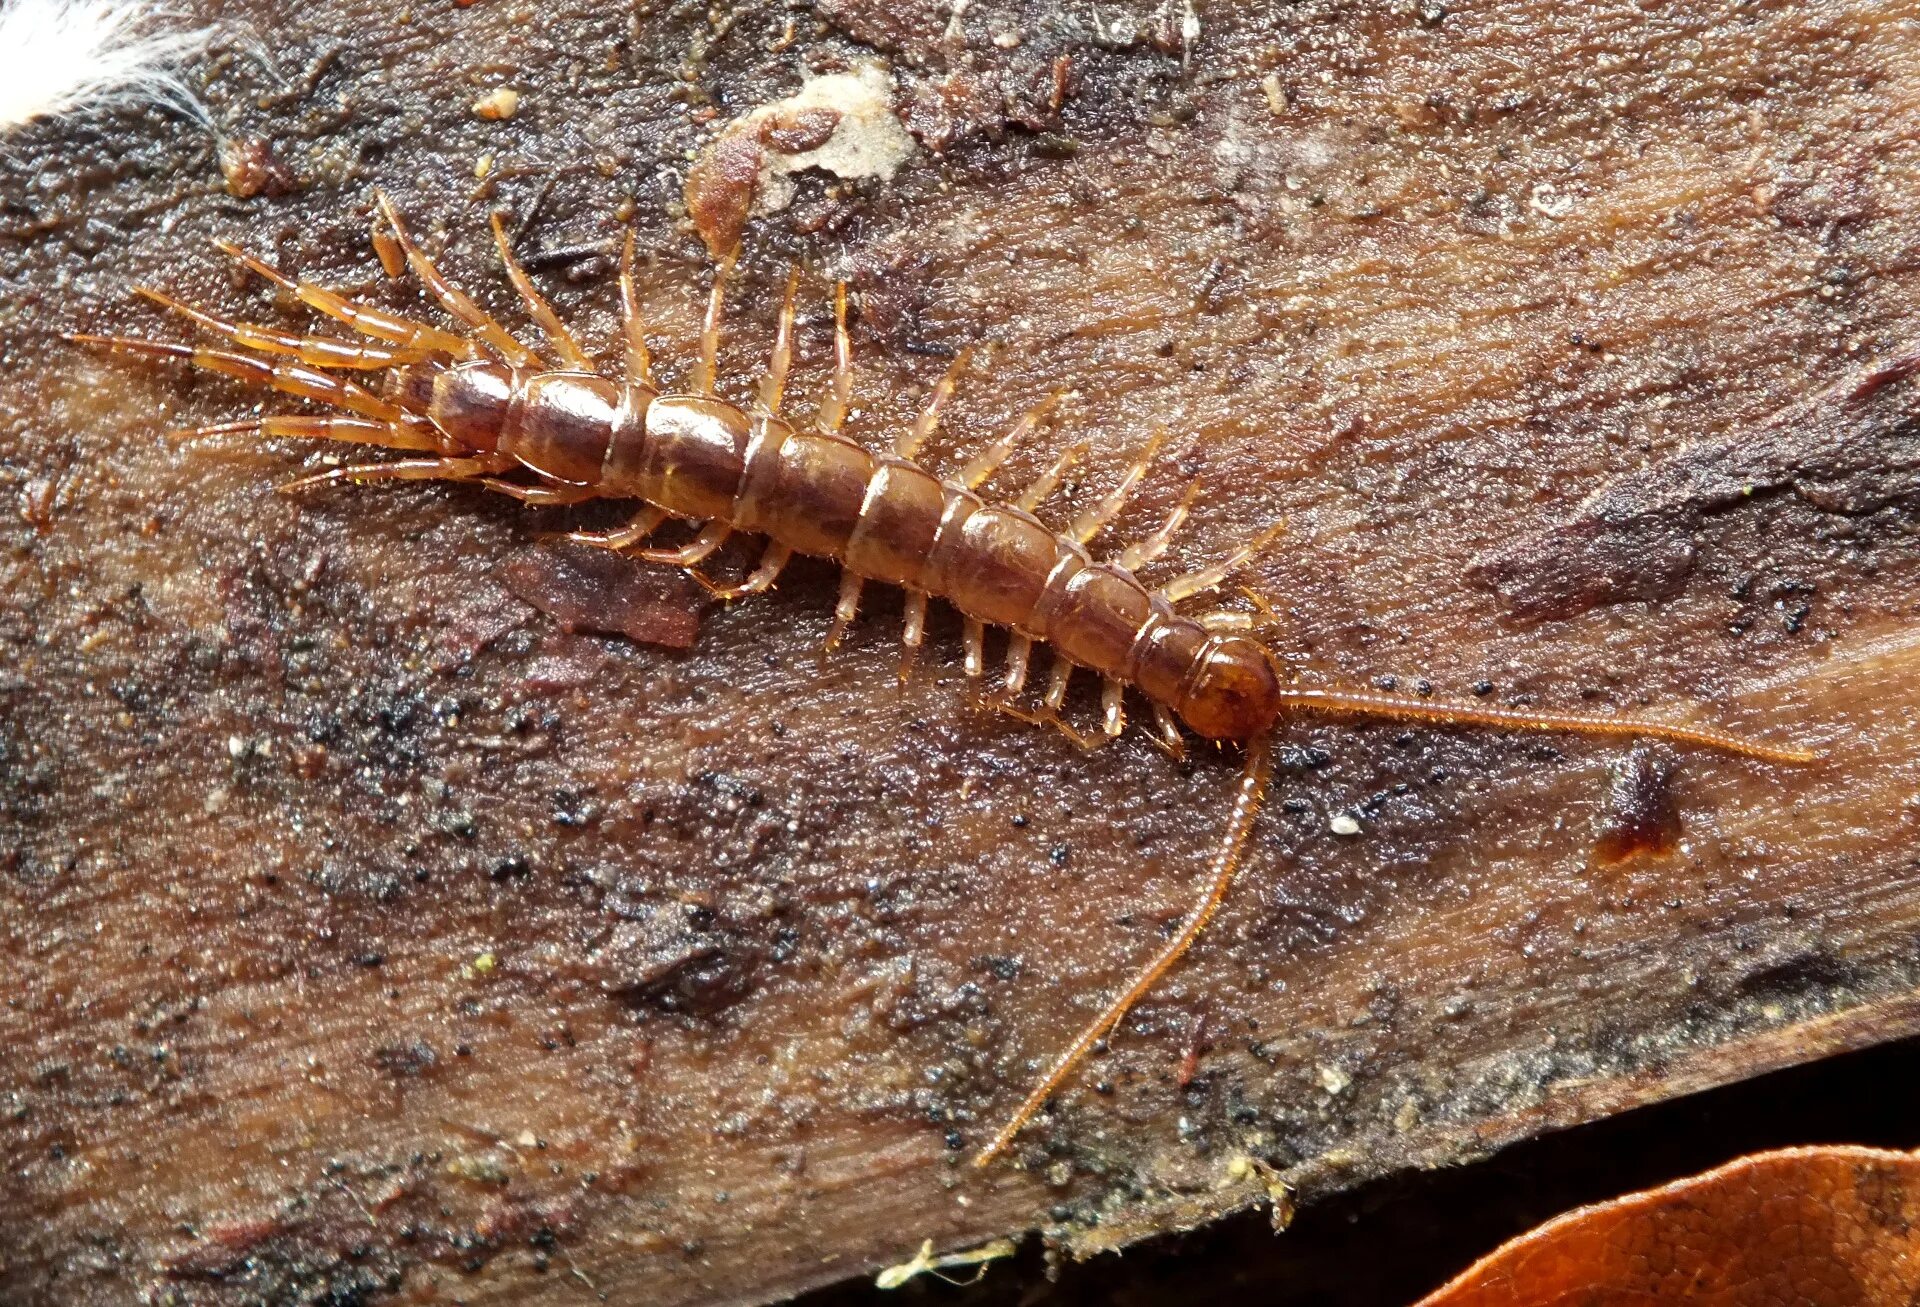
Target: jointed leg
x: 1044, y: 485
x: 1057, y: 678
x: 316, y: 350
x: 1206, y: 578
x: 845, y: 609
x: 1113, y: 706
x: 293, y: 378
x: 691, y: 554
x: 1137, y: 555
x: 1523, y: 719
x: 1086, y: 526
x: 632, y: 326
x: 1019, y: 650
x: 404, y: 469
x: 909, y: 441
x: 644, y: 524
x: 1226, y: 864
x: 983, y: 464
x: 705, y: 369
x: 1044, y: 718
x: 758, y: 582
x: 452, y: 299
x: 541, y: 496
x: 914, y: 632
x: 301, y: 426
x: 775, y: 386
x: 973, y: 639
x: 537, y: 307
x: 833, y: 404
x: 1167, y: 732
x: 363, y: 318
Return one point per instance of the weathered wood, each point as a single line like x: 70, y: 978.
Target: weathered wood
x: 364, y: 930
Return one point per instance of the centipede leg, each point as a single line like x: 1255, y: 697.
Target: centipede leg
x: 1167, y: 732
x: 1019, y: 650
x: 691, y: 554
x: 541, y: 496
x: 1226, y: 865
x: 1137, y: 555
x: 973, y: 640
x: 1113, y: 714
x: 845, y: 608
x: 774, y: 388
x: 915, y: 631
x: 1206, y: 578
x: 908, y: 443
x: 761, y: 580
x: 1089, y: 524
x: 363, y: 318
x: 706, y: 368
x: 833, y: 404
x: 317, y: 350
x: 404, y: 469
x: 1057, y: 678
x: 633, y: 327
x: 644, y: 524
x: 1001, y: 703
x: 452, y: 299
x: 299, y: 426
x: 292, y: 378
x: 537, y: 307
x: 1048, y: 480
x: 988, y: 460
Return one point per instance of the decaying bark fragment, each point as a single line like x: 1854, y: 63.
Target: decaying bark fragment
x: 367, y: 936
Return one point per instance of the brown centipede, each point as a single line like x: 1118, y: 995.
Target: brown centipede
x: 479, y: 406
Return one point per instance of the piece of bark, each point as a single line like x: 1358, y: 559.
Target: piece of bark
x: 1831, y: 1225
x: 725, y: 959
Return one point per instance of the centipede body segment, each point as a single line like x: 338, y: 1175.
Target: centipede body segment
x: 480, y: 406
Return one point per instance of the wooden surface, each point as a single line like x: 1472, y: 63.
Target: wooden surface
x: 367, y: 933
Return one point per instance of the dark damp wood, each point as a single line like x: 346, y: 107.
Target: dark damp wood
x: 365, y: 928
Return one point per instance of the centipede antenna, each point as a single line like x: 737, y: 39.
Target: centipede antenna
x: 1396, y: 708
x: 1227, y: 858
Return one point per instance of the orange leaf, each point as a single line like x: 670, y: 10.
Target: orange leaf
x: 1802, y: 1225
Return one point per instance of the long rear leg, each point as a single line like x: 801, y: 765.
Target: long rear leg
x: 317, y: 350
x: 363, y: 318
x: 404, y: 469
x: 301, y: 426
x: 292, y: 378
x: 1226, y: 864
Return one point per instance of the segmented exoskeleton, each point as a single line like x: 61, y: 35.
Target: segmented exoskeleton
x: 475, y: 407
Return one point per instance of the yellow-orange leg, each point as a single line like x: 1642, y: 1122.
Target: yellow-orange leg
x: 1089, y: 524
x: 1206, y: 578
x: 1393, y: 707
x: 845, y: 608
x: 1019, y: 650
x: 363, y: 318
x: 404, y: 469
x: 915, y: 631
x: 644, y: 524
x: 633, y: 327
x: 1058, y: 675
x: 317, y: 350
x: 691, y: 554
x: 973, y: 641
x: 705, y: 370
x: 761, y: 580
x: 1226, y: 864
x: 554, y: 496
x: 1045, y: 717
x: 537, y: 307
x: 988, y: 460
x: 1044, y: 485
x: 1137, y: 555
x: 774, y: 388
x: 1113, y: 714
x: 908, y: 442
x: 292, y: 378
x: 839, y: 393
x: 452, y: 299
x: 1167, y: 732
x: 301, y: 426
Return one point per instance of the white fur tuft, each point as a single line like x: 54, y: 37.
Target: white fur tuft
x: 68, y: 56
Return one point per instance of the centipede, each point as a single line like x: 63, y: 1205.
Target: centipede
x: 477, y: 406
